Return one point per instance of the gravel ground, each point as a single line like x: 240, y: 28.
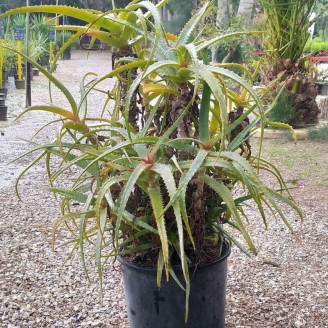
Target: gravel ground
x: 284, y: 286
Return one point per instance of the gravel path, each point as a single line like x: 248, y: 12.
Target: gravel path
x: 36, y: 290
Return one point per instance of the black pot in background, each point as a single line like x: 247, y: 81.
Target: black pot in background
x: 151, y: 307
x: 67, y: 54
x: 2, y: 99
x: 3, y: 113
x: 44, y: 61
x: 12, y: 71
x: 5, y: 75
x: 36, y: 72
x: 4, y: 91
x: 20, y: 84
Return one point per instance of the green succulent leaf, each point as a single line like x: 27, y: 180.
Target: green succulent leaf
x: 126, y: 192
x: 167, y: 176
x: 226, y: 196
x: 185, y: 34
x: 82, y: 14
x: 157, y: 205
x: 194, y: 167
x: 74, y: 195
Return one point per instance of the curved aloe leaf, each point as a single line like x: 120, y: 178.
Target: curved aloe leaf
x: 51, y: 109
x: 160, y: 89
x: 101, y: 35
x: 243, y: 83
x: 205, y: 44
x: 126, y: 192
x: 82, y: 233
x: 193, y: 54
x: 194, y: 167
x: 71, y: 194
x: 99, y: 246
x: 166, y: 174
x: 190, y: 26
x: 226, y: 196
x: 157, y: 19
x: 131, y: 17
x: 25, y: 170
x: 213, y: 84
x: 81, y: 14
x: 157, y: 205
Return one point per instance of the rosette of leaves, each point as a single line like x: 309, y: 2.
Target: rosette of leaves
x: 159, y: 184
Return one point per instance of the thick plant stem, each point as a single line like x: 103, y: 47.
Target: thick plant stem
x: 205, y: 108
x: 204, y: 114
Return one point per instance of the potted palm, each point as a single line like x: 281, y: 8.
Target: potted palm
x: 156, y: 180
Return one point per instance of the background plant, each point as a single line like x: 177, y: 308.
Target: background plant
x: 181, y: 12
x: 287, y: 25
x: 316, y: 45
x: 320, y: 133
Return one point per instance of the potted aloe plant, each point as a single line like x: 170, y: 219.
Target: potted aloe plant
x: 156, y: 180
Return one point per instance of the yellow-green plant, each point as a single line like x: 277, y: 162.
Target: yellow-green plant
x: 160, y: 181
x: 10, y: 57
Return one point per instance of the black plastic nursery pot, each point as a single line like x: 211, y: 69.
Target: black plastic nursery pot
x: 36, y: 72
x: 20, y: 84
x: 3, y: 112
x: 4, y: 91
x: 5, y: 75
x: 151, y: 307
x: 2, y: 99
x: 67, y: 54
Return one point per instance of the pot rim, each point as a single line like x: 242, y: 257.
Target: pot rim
x: 226, y: 250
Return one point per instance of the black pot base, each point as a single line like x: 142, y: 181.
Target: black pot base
x: 20, y: 84
x: 4, y: 91
x: 151, y: 307
x: 3, y: 113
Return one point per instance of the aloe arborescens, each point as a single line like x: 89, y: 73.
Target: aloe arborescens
x: 159, y: 183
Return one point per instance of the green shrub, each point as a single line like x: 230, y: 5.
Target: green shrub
x: 317, y: 44
x: 319, y: 133
x: 283, y: 111
x: 62, y: 37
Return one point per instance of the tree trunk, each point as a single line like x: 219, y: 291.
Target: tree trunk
x: 245, y: 9
x: 223, y: 15
x: 322, y: 102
